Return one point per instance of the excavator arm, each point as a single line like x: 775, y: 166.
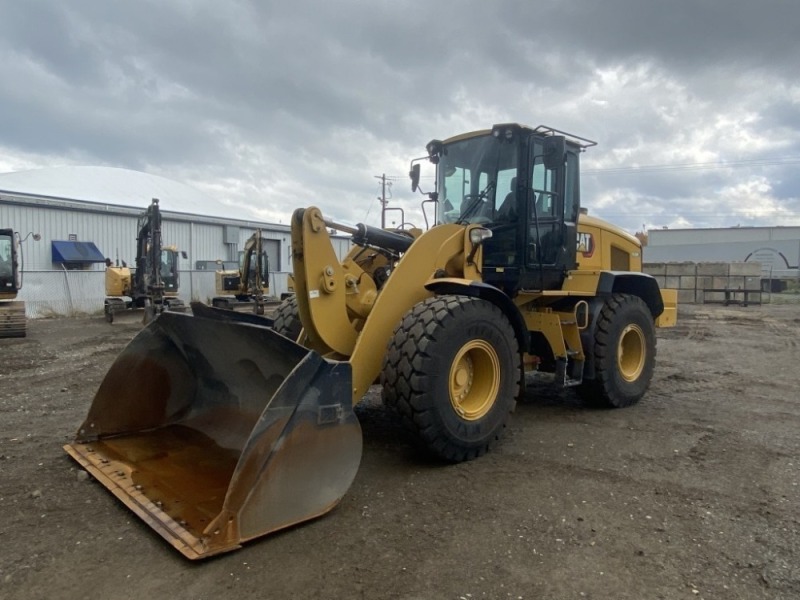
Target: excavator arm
x: 252, y: 258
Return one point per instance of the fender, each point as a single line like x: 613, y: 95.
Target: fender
x: 637, y: 284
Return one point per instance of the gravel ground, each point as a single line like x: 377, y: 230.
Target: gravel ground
x: 692, y: 493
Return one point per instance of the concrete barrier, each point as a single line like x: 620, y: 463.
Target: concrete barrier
x: 705, y: 282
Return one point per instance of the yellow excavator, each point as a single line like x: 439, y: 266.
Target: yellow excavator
x: 13, y: 322
x: 248, y: 288
x: 153, y: 285
x: 217, y: 431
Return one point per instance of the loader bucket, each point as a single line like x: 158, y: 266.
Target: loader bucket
x: 217, y: 432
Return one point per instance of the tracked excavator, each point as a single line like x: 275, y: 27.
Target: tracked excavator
x: 248, y: 288
x: 13, y: 323
x: 153, y: 285
x: 216, y: 432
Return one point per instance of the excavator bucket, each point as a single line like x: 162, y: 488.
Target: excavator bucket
x: 216, y: 432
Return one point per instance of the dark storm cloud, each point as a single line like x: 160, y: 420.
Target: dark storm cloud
x: 282, y: 103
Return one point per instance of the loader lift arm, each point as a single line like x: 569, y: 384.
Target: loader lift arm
x: 331, y: 295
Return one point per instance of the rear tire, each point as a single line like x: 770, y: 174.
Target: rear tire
x: 286, y: 319
x: 452, y: 372
x: 624, y: 353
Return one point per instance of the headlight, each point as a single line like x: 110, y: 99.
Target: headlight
x: 478, y: 235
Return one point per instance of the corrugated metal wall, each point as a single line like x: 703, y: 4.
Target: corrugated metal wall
x: 50, y: 290
x: 106, y: 231
x: 114, y: 233
x: 722, y: 235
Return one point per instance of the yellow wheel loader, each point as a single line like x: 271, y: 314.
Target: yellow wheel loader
x: 217, y: 431
x: 12, y: 311
x: 153, y: 285
x: 248, y: 288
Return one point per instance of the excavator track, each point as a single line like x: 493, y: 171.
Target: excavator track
x: 12, y: 319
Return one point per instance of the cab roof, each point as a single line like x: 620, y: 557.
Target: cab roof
x: 543, y: 130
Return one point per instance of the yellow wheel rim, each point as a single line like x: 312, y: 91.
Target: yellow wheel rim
x: 631, y: 352
x: 474, y: 380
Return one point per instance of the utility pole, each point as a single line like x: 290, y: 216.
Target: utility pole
x: 382, y: 198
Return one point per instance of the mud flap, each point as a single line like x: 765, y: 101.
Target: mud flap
x: 216, y: 432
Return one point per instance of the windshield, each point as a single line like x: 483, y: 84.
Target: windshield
x: 477, y: 181
x: 169, y: 271
x: 6, y: 266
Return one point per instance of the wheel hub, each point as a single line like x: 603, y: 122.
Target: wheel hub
x: 474, y: 379
x: 631, y: 352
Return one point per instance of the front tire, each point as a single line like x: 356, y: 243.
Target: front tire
x: 286, y: 319
x: 452, y: 372
x: 624, y: 353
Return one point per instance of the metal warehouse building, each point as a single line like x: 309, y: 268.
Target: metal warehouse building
x: 87, y: 214
x: 776, y: 248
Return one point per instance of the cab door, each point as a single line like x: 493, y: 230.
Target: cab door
x: 551, y: 219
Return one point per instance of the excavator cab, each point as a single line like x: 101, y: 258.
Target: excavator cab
x: 12, y: 311
x: 9, y: 273
x: 168, y: 267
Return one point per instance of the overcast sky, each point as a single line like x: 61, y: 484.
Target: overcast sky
x: 268, y: 106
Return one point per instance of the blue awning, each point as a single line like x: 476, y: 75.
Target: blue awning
x: 80, y: 252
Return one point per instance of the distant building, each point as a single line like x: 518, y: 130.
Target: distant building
x: 776, y: 248
x: 86, y: 215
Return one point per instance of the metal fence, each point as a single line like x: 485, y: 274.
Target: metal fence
x: 80, y: 293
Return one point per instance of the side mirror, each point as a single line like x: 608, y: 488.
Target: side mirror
x: 184, y: 254
x: 414, y: 174
x: 554, y: 148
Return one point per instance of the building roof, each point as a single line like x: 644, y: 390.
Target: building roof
x: 111, y: 185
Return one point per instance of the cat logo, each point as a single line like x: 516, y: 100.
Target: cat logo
x: 586, y: 244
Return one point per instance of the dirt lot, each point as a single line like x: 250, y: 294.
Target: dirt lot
x: 692, y: 493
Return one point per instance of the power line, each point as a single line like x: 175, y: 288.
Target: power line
x: 404, y: 177
x: 657, y: 168
x: 696, y: 166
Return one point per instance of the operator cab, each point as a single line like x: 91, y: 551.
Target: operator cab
x: 169, y: 269
x: 522, y: 184
x: 9, y: 278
